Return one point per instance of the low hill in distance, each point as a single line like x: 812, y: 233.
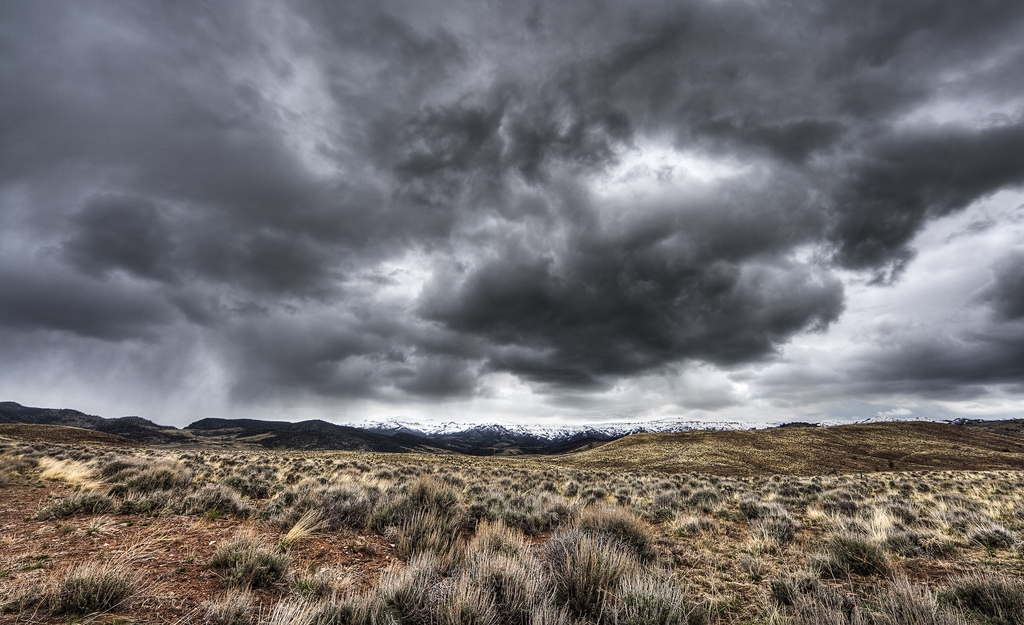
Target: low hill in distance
x: 900, y: 446
x: 798, y: 448
x: 64, y: 435
x: 1006, y: 427
x: 305, y: 435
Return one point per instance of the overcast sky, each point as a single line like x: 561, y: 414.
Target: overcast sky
x: 513, y: 211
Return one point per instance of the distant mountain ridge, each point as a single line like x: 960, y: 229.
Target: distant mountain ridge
x: 309, y: 435
x: 402, y: 436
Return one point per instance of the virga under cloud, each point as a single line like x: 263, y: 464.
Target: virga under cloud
x: 717, y: 209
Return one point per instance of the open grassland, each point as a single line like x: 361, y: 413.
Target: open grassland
x: 811, y: 450
x: 141, y: 535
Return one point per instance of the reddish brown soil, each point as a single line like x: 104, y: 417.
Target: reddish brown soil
x: 167, y: 555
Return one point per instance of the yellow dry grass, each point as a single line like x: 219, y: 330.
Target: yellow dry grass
x: 72, y: 472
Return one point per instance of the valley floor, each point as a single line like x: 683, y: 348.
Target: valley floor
x: 101, y: 534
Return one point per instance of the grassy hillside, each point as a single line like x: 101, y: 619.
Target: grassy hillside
x: 63, y: 435
x: 810, y: 450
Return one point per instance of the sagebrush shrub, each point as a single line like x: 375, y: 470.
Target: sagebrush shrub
x: 515, y: 585
x: 249, y: 563
x: 655, y: 599
x: 79, y: 503
x: 424, y: 495
x: 215, y: 498
x: 403, y: 593
x: 621, y: 524
x: 235, y: 608
x: 429, y: 531
x: 848, y: 554
x: 586, y: 569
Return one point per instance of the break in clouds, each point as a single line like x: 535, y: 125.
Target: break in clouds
x: 585, y: 211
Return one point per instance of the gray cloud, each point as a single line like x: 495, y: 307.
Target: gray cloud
x: 395, y: 201
x: 120, y: 233
x: 1006, y: 293
x: 35, y: 300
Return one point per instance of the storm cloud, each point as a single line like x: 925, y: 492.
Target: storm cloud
x: 497, y: 210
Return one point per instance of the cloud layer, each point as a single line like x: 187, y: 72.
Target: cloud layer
x: 513, y: 210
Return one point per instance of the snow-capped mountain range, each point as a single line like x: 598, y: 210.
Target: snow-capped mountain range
x: 543, y: 431
x: 603, y: 430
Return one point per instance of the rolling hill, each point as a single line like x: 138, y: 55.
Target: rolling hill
x: 809, y: 450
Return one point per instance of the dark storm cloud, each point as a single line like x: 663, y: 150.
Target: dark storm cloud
x: 244, y: 176
x: 916, y: 176
x: 699, y: 282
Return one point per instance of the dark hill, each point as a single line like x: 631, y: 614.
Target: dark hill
x: 306, y: 435
x: 133, y: 428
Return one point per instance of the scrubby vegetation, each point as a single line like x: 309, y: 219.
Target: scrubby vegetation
x: 238, y: 537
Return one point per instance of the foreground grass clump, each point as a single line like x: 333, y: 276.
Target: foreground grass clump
x: 846, y: 555
x: 990, y: 599
x: 655, y: 599
x: 586, y: 570
x: 235, y: 608
x: 86, y: 588
x: 91, y: 588
x: 249, y: 563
